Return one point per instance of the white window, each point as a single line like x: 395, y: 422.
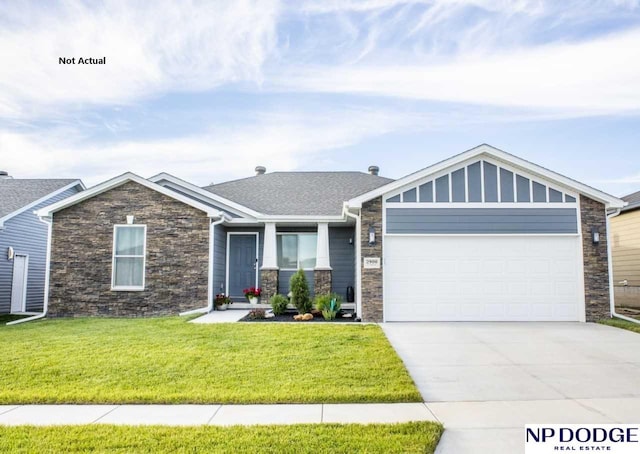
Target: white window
x: 297, y: 251
x: 129, y: 247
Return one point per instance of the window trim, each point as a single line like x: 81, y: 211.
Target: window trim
x: 129, y: 288
x: 297, y: 234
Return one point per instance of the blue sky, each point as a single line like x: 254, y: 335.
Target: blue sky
x: 208, y: 90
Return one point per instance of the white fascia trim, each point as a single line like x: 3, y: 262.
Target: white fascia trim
x: 40, y: 200
x: 226, y: 203
x: 119, y: 181
x: 484, y: 149
x: 300, y: 218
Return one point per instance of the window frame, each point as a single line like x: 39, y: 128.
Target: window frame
x: 129, y: 288
x: 297, y: 235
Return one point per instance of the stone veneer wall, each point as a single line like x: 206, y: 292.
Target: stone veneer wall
x: 321, y: 281
x: 371, y: 214
x: 596, y: 265
x: 268, y: 284
x: 177, y: 255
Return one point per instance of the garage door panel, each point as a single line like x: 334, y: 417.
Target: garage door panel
x: 482, y: 278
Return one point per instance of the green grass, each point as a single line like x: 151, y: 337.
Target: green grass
x: 624, y: 324
x: 416, y: 437
x: 166, y: 360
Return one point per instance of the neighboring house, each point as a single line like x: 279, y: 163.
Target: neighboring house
x: 484, y: 235
x: 625, y: 234
x: 23, y: 239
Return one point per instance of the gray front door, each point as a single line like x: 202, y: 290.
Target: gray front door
x: 243, y: 262
x: 19, y: 283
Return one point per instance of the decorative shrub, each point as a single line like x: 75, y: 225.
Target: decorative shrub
x: 300, y: 292
x: 252, y: 292
x: 222, y: 299
x: 279, y: 304
x: 256, y: 314
x: 328, y: 314
x: 323, y: 302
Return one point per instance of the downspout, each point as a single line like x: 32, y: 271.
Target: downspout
x: 610, y: 264
x: 209, y: 306
x: 47, y: 268
x: 358, y: 245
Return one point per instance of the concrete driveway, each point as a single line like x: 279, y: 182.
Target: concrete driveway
x: 484, y: 381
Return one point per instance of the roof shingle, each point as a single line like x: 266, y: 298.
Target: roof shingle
x: 298, y: 193
x: 17, y: 193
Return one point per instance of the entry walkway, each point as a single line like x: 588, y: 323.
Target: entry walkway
x: 218, y: 415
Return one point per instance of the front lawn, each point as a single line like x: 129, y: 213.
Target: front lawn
x: 416, y: 437
x: 624, y: 324
x: 167, y: 360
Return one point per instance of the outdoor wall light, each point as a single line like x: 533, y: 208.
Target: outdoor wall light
x: 130, y: 219
x: 595, y: 235
x: 372, y: 236
x: 9, y: 253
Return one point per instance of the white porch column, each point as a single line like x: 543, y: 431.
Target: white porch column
x: 322, y: 249
x: 270, y: 254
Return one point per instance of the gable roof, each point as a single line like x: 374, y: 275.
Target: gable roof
x: 17, y: 195
x: 633, y: 200
x: 298, y: 193
x: 119, y: 181
x: 487, y: 150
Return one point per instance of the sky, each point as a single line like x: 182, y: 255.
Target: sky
x: 208, y: 90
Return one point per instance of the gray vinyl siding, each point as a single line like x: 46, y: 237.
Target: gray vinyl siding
x: 343, y: 259
x: 260, y: 231
x: 28, y: 236
x: 490, y: 182
x: 506, y: 185
x: 410, y: 196
x: 219, y: 259
x: 458, y: 186
x: 426, y: 192
x: 481, y: 220
x: 475, y: 182
x: 442, y: 189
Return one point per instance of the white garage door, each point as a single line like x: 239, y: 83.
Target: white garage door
x: 482, y: 278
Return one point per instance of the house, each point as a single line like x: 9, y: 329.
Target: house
x: 625, y: 247
x: 483, y: 235
x: 23, y: 239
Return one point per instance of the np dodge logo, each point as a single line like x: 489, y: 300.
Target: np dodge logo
x: 610, y: 438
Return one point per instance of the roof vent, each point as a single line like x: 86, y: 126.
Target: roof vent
x: 4, y: 175
x: 260, y: 170
x: 373, y: 170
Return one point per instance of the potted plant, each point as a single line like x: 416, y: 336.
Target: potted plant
x: 222, y: 302
x: 252, y: 294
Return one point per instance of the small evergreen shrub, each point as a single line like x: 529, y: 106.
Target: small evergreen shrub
x: 279, y: 304
x: 300, y: 292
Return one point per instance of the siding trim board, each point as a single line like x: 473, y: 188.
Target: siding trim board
x: 482, y: 181
x: 481, y: 221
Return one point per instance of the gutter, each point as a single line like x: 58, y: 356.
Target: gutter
x: 610, y: 264
x: 45, y: 304
x: 345, y: 212
x: 210, y: 295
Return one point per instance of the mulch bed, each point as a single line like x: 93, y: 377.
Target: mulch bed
x: 288, y: 317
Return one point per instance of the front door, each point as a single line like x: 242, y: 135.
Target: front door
x: 243, y: 263
x: 19, y: 284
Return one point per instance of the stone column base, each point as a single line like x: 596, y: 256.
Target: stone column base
x: 321, y: 281
x: 269, y: 284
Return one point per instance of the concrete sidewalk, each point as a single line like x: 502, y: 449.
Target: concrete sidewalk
x: 219, y: 415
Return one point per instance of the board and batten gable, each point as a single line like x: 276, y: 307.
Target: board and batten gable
x: 27, y: 235
x: 177, y: 255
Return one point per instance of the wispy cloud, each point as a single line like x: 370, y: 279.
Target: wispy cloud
x: 282, y: 141
x: 151, y: 48
x: 600, y: 76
